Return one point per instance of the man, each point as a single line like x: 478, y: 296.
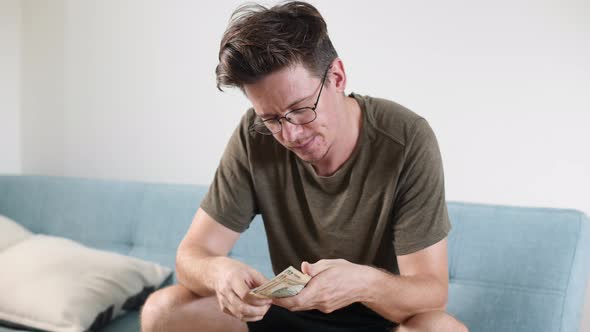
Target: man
x: 350, y: 188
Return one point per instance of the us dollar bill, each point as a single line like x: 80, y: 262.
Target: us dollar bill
x: 287, y: 283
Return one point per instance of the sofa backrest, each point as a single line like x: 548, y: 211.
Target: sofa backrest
x: 518, y: 268
x: 510, y: 268
x: 145, y: 220
x: 138, y: 219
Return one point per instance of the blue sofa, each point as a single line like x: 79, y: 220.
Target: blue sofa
x: 511, y: 268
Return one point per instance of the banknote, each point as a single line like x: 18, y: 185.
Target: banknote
x: 287, y: 283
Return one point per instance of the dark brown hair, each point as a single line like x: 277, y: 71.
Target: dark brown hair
x: 260, y: 40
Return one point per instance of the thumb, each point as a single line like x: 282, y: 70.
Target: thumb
x: 305, y: 267
x: 314, y: 269
x: 257, y: 278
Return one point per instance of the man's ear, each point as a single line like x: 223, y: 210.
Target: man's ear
x: 338, y: 75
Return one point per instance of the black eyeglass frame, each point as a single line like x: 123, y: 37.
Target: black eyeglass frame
x: 313, y: 109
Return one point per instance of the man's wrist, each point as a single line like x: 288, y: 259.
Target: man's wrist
x: 370, y: 279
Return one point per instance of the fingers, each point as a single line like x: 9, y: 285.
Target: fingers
x: 242, y: 291
x: 245, y: 318
x: 256, y: 300
x: 237, y: 302
x: 285, y: 302
x: 305, y: 300
x: 258, y: 278
x: 234, y: 306
x: 233, y: 293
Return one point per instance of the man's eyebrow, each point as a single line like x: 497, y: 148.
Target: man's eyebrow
x: 265, y: 115
x: 296, y: 102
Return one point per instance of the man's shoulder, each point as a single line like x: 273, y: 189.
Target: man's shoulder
x: 388, y: 118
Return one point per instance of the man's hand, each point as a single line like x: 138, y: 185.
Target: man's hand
x: 232, y: 288
x: 335, y: 283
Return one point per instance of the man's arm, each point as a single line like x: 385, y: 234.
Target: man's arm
x: 205, y: 242
x: 421, y: 286
x: 203, y: 267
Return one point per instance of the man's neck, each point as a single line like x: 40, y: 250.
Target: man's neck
x: 339, y: 153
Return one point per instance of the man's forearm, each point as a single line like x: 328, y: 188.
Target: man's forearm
x: 398, y: 298
x: 196, y: 270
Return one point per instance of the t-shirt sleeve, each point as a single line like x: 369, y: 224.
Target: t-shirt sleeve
x: 231, y: 199
x: 420, y: 216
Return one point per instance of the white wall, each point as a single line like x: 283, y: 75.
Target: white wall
x: 43, y: 87
x: 141, y: 97
x: 126, y: 89
x: 10, y: 49
x: 505, y: 85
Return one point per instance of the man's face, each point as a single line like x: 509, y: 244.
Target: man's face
x: 291, y: 88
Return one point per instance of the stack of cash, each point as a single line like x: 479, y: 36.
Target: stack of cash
x: 287, y: 283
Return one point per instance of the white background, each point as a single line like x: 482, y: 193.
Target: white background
x: 10, y: 57
x: 126, y: 89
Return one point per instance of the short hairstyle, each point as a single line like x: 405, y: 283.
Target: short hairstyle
x: 260, y: 40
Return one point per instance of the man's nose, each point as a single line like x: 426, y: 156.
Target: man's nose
x: 290, y: 131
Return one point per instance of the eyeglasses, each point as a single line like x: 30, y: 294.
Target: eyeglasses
x: 299, y: 116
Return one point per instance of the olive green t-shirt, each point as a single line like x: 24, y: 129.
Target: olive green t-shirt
x: 387, y: 199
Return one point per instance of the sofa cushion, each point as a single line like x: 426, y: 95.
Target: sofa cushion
x: 80, y: 288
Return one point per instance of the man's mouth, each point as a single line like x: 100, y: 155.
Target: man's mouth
x: 303, y: 146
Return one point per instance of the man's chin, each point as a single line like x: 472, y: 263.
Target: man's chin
x: 311, y: 158
x: 313, y: 155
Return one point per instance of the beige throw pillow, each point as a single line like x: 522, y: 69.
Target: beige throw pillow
x: 11, y: 232
x: 56, y: 284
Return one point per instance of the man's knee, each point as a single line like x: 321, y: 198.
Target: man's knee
x: 156, y: 309
x: 439, y: 321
